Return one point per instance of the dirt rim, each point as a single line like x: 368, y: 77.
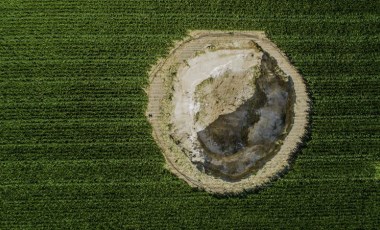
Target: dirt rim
x: 177, y: 162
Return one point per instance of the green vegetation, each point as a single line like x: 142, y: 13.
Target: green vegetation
x: 76, y: 149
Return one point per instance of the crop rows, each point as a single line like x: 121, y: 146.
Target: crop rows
x: 76, y: 149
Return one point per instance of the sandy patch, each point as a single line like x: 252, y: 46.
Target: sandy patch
x: 227, y: 109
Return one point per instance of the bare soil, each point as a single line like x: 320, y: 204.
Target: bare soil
x: 227, y: 109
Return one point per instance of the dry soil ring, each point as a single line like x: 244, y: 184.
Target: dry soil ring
x: 227, y: 109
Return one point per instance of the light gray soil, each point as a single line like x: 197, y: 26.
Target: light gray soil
x: 227, y: 109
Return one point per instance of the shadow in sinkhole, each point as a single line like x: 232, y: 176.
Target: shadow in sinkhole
x: 239, y: 143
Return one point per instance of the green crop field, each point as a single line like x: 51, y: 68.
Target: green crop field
x: 76, y: 150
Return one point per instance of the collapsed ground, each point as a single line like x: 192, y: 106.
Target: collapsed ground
x: 242, y: 141
x: 222, y: 108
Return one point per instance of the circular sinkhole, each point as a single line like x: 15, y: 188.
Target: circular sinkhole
x: 227, y: 109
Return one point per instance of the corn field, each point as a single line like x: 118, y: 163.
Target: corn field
x: 76, y: 149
